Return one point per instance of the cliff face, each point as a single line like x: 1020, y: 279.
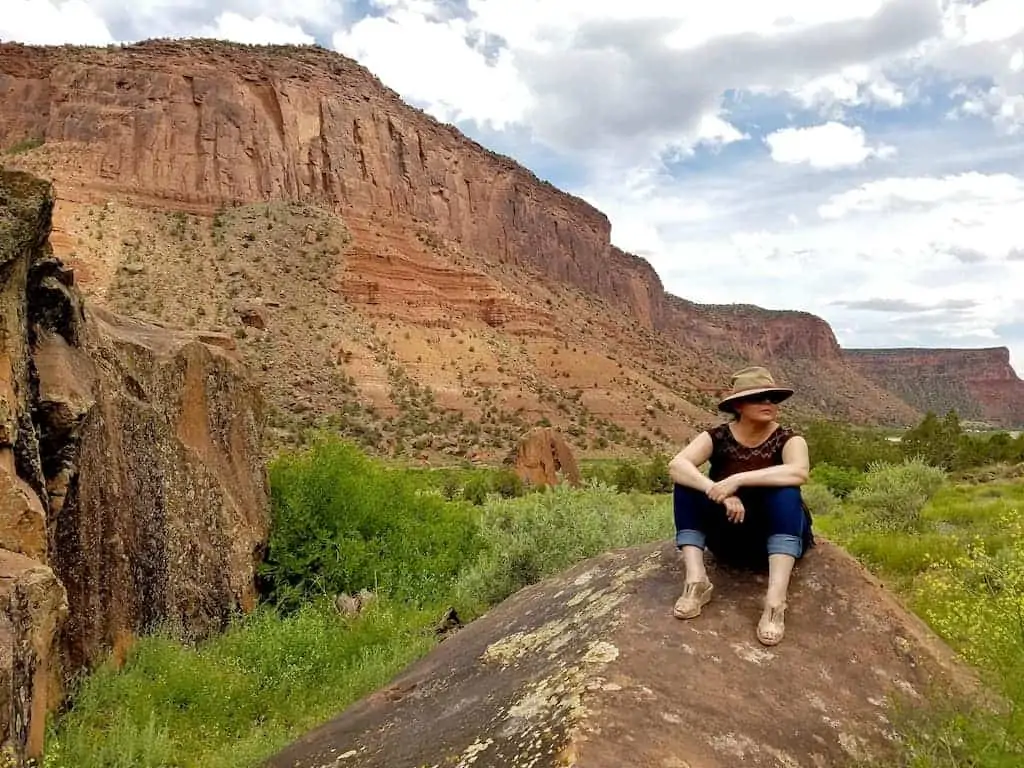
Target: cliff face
x: 130, y: 470
x: 441, y: 236
x: 800, y: 348
x: 980, y: 384
x: 204, y: 124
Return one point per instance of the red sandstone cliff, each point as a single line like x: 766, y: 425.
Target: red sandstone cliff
x: 197, y: 125
x: 979, y: 384
x: 202, y: 124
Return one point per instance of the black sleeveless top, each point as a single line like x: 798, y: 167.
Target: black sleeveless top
x: 729, y: 456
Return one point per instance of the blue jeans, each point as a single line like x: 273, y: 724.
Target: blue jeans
x: 776, y: 522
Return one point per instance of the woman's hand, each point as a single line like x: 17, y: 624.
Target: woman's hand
x: 734, y: 509
x: 723, y: 489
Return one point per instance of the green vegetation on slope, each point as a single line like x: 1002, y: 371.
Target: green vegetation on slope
x: 427, y: 540
x: 342, y: 522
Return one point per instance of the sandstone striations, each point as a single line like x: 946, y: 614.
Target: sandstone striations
x: 590, y: 668
x: 383, y: 249
x: 134, y: 494
x: 979, y: 384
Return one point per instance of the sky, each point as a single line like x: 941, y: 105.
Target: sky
x: 862, y: 160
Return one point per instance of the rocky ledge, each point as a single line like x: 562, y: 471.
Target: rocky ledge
x: 131, y: 477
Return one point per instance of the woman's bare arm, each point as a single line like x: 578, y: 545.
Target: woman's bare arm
x: 794, y: 470
x: 684, y: 468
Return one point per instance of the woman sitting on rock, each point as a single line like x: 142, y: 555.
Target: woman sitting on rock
x: 749, y: 507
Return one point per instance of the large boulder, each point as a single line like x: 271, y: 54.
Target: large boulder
x: 543, y: 457
x: 591, y: 669
x: 133, y: 493
x: 156, y: 483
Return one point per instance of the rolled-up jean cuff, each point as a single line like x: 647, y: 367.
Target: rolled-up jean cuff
x: 690, y: 538
x: 785, y: 544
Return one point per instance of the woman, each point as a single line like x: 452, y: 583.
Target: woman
x: 749, y: 507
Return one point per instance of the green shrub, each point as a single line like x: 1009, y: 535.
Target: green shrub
x: 892, y: 496
x: 507, y: 484
x: 819, y: 499
x: 541, y: 534
x: 342, y: 522
x: 841, y: 481
x: 656, y: 478
x: 627, y: 477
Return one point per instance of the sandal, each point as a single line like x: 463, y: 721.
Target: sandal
x: 696, y: 594
x: 772, y: 626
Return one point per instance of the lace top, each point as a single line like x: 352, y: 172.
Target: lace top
x: 729, y: 456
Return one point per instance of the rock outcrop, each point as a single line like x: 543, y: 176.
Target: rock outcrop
x: 590, y: 669
x: 133, y: 489
x: 543, y: 457
x: 979, y: 384
x: 33, y: 606
x: 444, y: 232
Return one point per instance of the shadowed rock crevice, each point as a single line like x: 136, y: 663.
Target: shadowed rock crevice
x: 590, y: 669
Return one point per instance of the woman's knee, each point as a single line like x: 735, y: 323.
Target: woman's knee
x: 786, y: 497
x: 690, y: 511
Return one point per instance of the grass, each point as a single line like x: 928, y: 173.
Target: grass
x: 341, y: 523
x: 423, y: 544
x: 960, y: 566
x: 239, y: 697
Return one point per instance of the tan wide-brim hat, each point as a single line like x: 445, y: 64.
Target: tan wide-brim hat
x: 754, y: 380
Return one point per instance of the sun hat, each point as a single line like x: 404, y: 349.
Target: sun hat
x: 753, y: 380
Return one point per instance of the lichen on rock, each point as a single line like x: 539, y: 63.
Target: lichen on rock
x: 589, y: 668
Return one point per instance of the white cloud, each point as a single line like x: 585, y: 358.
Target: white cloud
x: 852, y: 86
x: 430, y: 60
x: 52, y: 22
x: 826, y: 146
x: 258, y: 31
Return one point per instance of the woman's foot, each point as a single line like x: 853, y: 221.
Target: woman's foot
x: 772, y: 626
x: 696, y: 594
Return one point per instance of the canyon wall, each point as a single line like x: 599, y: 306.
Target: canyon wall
x: 200, y: 125
x: 134, y: 494
x: 979, y: 384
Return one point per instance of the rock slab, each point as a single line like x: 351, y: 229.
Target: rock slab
x: 33, y: 605
x: 133, y: 493
x: 590, y: 669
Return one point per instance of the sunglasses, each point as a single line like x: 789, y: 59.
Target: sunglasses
x: 764, y: 397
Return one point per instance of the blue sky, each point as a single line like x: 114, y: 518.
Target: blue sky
x: 861, y: 160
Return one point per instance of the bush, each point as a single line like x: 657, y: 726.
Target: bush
x: 839, y: 480
x: 342, y: 522
x: 627, y: 477
x: 819, y: 499
x: 892, y: 496
x: 542, y: 534
x: 656, y: 478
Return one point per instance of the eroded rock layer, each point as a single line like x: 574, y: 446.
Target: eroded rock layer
x: 979, y: 384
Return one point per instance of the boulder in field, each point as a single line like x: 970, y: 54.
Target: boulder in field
x: 590, y: 669
x: 543, y: 457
